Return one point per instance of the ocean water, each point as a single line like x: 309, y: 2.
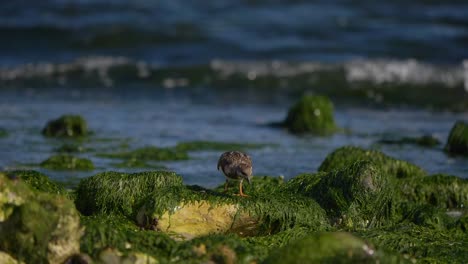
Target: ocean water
x: 162, y: 72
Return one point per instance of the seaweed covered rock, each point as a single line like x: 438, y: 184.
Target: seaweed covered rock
x: 103, y: 232
x: 457, y: 142
x: 67, y: 162
x: 193, y: 211
x: 332, y: 247
x: 149, y: 154
x: 312, y: 114
x: 443, y: 191
x: 7, y: 259
x: 394, y: 168
x: 217, y: 248
x: 38, y: 181
x: 37, y: 227
x: 66, y: 126
x: 422, y: 244
x: 357, y: 196
x: 121, y: 192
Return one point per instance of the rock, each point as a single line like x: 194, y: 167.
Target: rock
x: 393, y: 168
x: 111, y: 256
x: 66, y: 126
x: 332, y: 247
x: 442, y: 191
x: 420, y: 243
x: 117, y: 232
x: 121, y: 193
x: 190, y: 212
x: 7, y: 259
x: 354, y: 197
x: 37, y: 227
x: 457, y: 142
x: 67, y: 162
x: 38, y: 181
x: 312, y: 114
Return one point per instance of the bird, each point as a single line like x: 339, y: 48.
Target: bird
x: 236, y: 165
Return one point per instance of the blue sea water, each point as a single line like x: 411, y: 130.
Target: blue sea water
x: 162, y: 72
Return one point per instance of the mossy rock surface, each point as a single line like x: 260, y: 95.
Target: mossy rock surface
x: 67, y: 162
x: 421, y: 243
x: 148, y: 154
x: 121, y: 193
x: 312, y: 114
x: 116, y: 231
x: 38, y: 181
x: 37, y: 227
x: 357, y: 196
x: 457, y: 142
x: 66, y: 126
x: 443, y: 191
x: 393, y: 168
x: 331, y: 247
x: 267, y: 210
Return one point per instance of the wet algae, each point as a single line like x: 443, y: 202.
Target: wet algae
x: 37, y: 227
x: 457, y: 142
x: 71, y: 126
x: 312, y: 114
x: 67, y: 162
x: 37, y: 181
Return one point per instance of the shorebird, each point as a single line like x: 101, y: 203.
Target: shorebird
x: 236, y: 165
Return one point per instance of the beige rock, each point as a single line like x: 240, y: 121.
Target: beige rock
x: 198, y: 218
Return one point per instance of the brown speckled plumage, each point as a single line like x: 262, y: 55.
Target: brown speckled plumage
x: 236, y: 166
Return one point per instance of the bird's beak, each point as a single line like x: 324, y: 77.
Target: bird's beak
x: 248, y: 180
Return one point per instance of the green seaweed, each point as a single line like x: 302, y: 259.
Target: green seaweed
x: 148, y: 154
x: 39, y: 227
x: 443, y: 191
x: 425, y: 244
x: 66, y: 126
x: 120, y: 192
x: 424, y: 141
x: 393, y: 168
x: 38, y: 181
x: 457, y: 142
x: 312, y: 114
x: 219, y: 249
x: 358, y: 196
x: 67, y: 162
x: 331, y: 247
x: 115, y: 231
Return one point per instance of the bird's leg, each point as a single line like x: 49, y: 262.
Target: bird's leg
x: 226, y: 185
x: 240, y: 190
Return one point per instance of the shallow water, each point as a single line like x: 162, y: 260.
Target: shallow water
x: 164, y: 119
